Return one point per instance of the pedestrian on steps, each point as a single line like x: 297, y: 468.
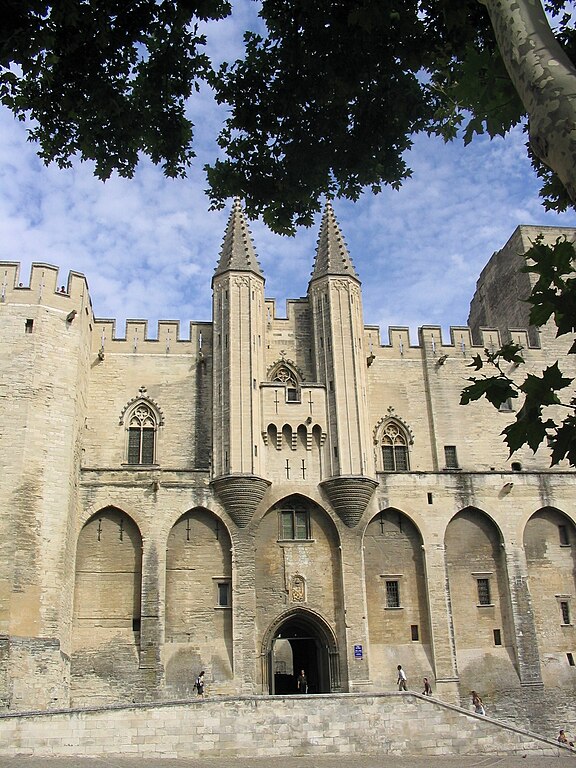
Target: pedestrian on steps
x: 401, y: 679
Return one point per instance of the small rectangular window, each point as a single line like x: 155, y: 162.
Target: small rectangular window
x: 136, y: 625
x: 570, y: 658
x: 134, y: 446
x: 395, y: 458
x: 148, y: 446
x: 388, y: 458
x: 565, y: 610
x: 450, y: 457
x: 29, y: 325
x: 484, y: 591
x: 564, y: 535
x: 392, y: 594
x: 401, y: 458
x: 292, y: 395
x: 294, y: 524
x: 430, y: 498
x: 414, y: 632
x: 223, y: 595
x: 497, y: 637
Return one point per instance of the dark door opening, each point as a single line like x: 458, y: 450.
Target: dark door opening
x: 299, y: 645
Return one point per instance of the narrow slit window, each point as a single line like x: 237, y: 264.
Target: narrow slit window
x: 223, y: 594
x: 497, y: 637
x: 565, y: 611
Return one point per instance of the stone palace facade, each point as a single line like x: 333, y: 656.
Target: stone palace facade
x: 274, y: 494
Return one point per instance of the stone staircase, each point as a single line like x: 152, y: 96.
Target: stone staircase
x: 269, y: 726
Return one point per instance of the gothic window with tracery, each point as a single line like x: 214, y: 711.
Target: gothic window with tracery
x: 285, y: 376
x: 142, y: 428
x: 394, y: 448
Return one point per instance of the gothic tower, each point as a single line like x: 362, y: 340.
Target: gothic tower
x: 238, y: 339
x: 340, y: 362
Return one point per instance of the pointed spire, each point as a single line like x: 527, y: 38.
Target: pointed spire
x: 332, y: 257
x: 237, y: 253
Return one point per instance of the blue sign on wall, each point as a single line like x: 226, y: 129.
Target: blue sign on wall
x: 357, y: 651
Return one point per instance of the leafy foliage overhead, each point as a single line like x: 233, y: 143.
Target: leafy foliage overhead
x: 106, y: 80
x: 553, y: 297
x: 324, y: 101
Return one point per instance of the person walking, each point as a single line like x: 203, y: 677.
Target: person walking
x: 199, y: 684
x: 302, y: 682
x: 477, y: 703
x: 401, y: 679
x: 563, y: 739
x: 427, y: 687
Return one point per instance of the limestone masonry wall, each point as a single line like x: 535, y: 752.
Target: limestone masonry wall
x: 261, y: 495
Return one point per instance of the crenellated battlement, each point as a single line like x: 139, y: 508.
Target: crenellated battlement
x: 44, y: 287
x: 431, y: 340
x: 136, y: 339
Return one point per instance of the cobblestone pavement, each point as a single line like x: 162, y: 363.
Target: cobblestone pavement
x: 354, y: 761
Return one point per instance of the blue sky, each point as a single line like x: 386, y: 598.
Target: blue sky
x: 148, y: 246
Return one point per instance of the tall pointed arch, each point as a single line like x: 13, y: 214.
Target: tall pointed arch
x: 141, y: 417
x: 392, y: 438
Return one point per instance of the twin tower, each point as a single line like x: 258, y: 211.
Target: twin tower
x: 312, y: 389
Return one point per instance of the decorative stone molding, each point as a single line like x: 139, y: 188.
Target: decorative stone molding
x: 350, y: 495
x: 275, y: 370
x: 142, y: 397
x: 240, y: 494
x: 391, y: 416
x: 298, y: 589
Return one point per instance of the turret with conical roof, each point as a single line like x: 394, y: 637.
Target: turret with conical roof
x: 238, y: 339
x: 340, y: 362
x: 332, y: 257
x: 238, y: 253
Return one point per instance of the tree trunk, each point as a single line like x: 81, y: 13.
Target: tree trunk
x: 545, y: 80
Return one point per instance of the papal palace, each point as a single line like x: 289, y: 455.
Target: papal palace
x: 260, y: 494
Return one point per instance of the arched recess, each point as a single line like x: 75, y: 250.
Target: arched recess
x: 107, y: 588
x: 297, y: 560
x: 397, y: 604
x: 480, y: 601
x: 300, y: 639
x: 550, y: 547
x: 198, y: 601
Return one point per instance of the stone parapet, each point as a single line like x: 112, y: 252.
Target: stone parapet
x: 260, y: 726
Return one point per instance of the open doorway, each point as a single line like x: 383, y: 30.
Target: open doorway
x: 301, y: 641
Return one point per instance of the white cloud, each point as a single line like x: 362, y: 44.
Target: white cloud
x: 148, y: 246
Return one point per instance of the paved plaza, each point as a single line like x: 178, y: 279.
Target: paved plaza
x: 354, y: 761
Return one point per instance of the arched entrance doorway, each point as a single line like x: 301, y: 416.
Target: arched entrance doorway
x: 300, y: 640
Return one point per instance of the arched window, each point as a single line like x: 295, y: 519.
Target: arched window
x: 288, y: 378
x: 142, y: 427
x: 394, y: 448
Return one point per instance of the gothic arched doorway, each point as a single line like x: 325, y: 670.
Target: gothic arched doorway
x: 300, y: 640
